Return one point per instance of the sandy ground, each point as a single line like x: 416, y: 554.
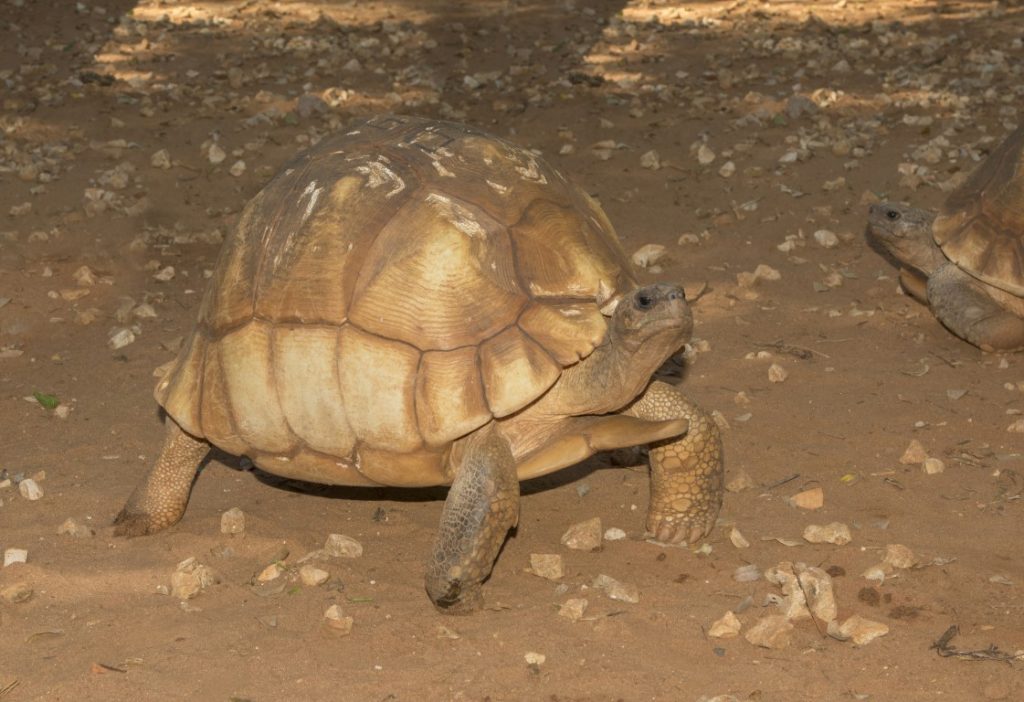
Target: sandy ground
x: 111, y: 116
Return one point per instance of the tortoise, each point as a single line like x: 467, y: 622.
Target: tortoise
x: 967, y: 262
x: 418, y: 303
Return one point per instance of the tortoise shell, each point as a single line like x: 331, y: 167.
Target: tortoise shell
x: 981, y: 226
x: 390, y: 291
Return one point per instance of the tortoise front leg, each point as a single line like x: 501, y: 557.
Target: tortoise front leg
x: 686, y: 473
x: 959, y: 301
x: 482, y: 505
x: 160, y: 499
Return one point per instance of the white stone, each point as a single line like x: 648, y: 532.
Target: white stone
x: 342, y: 546
x: 15, y: 555
x: 30, y: 489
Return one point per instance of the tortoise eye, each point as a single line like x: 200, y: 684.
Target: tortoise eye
x: 644, y: 301
x: 893, y: 214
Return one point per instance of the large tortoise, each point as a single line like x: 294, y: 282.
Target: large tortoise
x: 967, y: 262
x: 418, y: 303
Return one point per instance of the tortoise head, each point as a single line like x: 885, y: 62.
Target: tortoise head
x: 904, y: 233
x: 654, y: 317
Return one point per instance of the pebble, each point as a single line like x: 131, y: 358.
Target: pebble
x: 826, y: 238
x: 737, y: 538
x: 120, y: 337
x: 70, y: 527
x: 615, y: 590
x: 741, y: 481
x: 15, y: 593
x: 237, y: 168
x: 899, y: 556
x: 341, y: 546
x: 857, y: 629
x: 811, y: 499
x: 337, y: 622
x: 1017, y: 427
x: 777, y: 374
x: 833, y: 533
x: 651, y: 160
x: 584, y: 536
x: 534, y: 658
x: 573, y: 608
x: 160, y: 159
x: 30, y: 489
x: 614, y: 534
x: 727, y: 170
x: 547, y: 565
x: 773, y: 631
x: 313, y: 576
x: 190, y: 578
x: 271, y: 572
x: 647, y: 255
x: 932, y: 466
x: 705, y: 155
x: 726, y: 628
x: 216, y: 154
x: 746, y: 573
x: 15, y: 555
x: 232, y: 521
x: 914, y: 453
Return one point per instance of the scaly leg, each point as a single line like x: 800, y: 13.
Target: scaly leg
x: 686, y: 473
x: 160, y: 499
x: 482, y: 505
x: 959, y: 301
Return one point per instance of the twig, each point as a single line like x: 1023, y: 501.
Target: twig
x: 992, y: 653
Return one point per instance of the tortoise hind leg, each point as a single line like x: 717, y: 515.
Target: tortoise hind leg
x: 960, y: 302
x: 482, y: 505
x: 160, y: 499
x: 686, y: 473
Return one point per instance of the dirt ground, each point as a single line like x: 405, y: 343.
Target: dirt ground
x: 769, y: 122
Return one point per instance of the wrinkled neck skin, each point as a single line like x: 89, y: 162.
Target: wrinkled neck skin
x: 647, y: 327
x: 905, y: 233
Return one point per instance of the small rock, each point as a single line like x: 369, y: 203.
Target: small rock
x: 237, y: 168
x: 70, y: 527
x: 232, y: 521
x: 727, y: 170
x: 584, y: 536
x: 777, y: 374
x: 899, y: 556
x: 877, y: 573
x: 16, y: 593
x: 216, y: 154
x: 120, y: 337
x: 165, y: 274
x: 834, y: 533
x: 737, y: 539
x: 647, y: 255
x: 858, y: 629
x: 190, y: 578
x: 726, y: 628
x: 651, y: 160
x: 809, y: 499
x: 742, y: 481
x: 337, y: 623
x: 271, y: 572
x: 747, y: 573
x: 341, y: 546
x: 915, y: 453
x: 313, y: 576
x: 84, y: 276
x: 614, y: 534
x: 705, y: 155
x: 773, y: 631
x: 573, y: 608
x: 623, y: 592
x: 160, y: 159
x: 816, y: 585
x: 1017, y: 427
x: 15, y: 555
x: 826, y: 239
x: 444, y: 632
x: 30, y: 489
x: 547, y: 565
x: 932, y: 466
x: 533, y: 658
